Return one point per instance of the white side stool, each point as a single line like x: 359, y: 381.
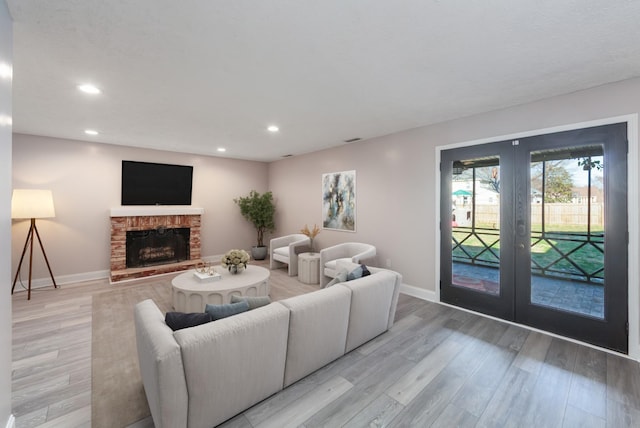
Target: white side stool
x: 309, y: 268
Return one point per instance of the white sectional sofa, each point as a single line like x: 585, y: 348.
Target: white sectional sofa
x: 204, y: 375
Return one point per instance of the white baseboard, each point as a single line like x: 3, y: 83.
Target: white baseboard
x: 11, y: 422
x: 420, y: 293
x: 82, y: 277
x: 61, y: 280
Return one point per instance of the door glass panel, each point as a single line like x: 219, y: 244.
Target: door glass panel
x: 567, y: 230
x: 475, y: 205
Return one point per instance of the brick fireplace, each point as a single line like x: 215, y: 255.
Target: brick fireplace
x: 137, y: 219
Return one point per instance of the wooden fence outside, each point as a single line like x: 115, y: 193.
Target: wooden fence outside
x: 556, y: 214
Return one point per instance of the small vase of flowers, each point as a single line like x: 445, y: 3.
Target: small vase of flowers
x: 310, y: 233
x: 235, y: 260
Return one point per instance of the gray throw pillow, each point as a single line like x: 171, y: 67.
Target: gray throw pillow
x: 358, y: 272
x: 222, y: 311
x: 180, y: 320
x: 340, y: 277
x: 254, y: 302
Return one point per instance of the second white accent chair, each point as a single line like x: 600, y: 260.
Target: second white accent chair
x: 284, y: 250
x: 350, y: 251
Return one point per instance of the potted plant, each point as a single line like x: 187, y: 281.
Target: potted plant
x: 259, y: 209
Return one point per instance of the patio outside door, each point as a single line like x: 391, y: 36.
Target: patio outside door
x: 535, y: 231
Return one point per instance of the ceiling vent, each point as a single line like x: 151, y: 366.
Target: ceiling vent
x: 352, y: 140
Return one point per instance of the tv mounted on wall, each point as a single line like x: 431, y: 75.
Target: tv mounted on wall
x: 145, y: 183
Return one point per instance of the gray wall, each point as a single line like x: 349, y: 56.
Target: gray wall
x: 85, y: 180
x: 6, y: 56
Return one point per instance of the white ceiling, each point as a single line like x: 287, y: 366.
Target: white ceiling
x: 194, y: 75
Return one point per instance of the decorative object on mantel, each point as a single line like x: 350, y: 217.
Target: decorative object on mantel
x: 32, y: 204
x: 311, y: 234
x: 339, y: 201
x: 235, y: 260
x: 259, y: 210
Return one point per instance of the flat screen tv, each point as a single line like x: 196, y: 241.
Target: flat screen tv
x: 145, y: 183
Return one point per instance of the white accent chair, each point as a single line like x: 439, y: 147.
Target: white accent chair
x: 349, y: 251
x: 284, y: 250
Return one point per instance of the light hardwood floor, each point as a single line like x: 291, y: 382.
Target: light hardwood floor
x: 437, y: 366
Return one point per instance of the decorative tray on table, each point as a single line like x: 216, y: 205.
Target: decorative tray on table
x: 206, y: 276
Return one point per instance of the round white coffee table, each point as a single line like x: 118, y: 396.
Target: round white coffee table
x: 191, y: 294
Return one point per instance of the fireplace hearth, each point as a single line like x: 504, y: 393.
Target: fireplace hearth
x: 157, y: 246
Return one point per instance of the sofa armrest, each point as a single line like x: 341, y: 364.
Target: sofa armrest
x: 161, y: 367
x: 373, y: 302
x: 396, y: 292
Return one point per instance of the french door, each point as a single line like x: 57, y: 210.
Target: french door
x: 535, y: 231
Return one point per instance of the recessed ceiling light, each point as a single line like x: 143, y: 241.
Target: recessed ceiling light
x: 222, y: 149
x: 90, y: 132
x: 273, y: 128
x: 89, y: 88
x: 6, y: 72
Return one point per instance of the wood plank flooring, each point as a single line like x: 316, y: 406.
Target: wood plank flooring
x: 437, y: 366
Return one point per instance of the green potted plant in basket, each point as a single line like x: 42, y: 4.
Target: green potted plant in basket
x: 260, y: 210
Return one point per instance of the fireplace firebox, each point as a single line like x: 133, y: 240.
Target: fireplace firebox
x: 157, y: 246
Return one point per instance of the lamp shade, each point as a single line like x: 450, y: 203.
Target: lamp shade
x: 32, y: 203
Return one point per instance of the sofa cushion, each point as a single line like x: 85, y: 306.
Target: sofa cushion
x: 253, y: 301
x: 218, y: 312
x: 180, y: 320
x: 371, y: 300
x: 317, y: 330
x: 233, y: 363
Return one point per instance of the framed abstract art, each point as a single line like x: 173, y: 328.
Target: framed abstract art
x: 339, y: 201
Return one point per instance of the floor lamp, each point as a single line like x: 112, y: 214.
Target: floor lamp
x: 32, y: 204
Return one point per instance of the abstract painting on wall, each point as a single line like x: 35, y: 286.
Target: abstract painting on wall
x: 339, y: 201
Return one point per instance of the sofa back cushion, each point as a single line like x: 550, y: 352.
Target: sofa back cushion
x: 317, y: 330
x: 233, y: 363
x: 160, y: 366
x: 371, y: 300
